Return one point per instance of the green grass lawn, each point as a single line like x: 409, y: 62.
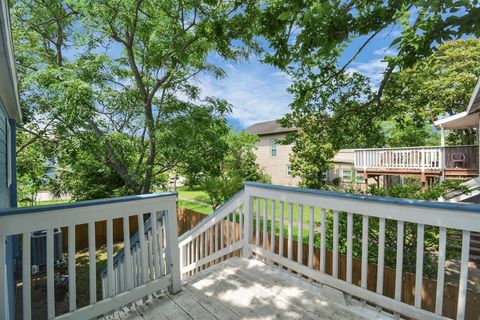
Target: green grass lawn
x: 43, y: 203
x: 195, y: 207
x: 197, y: 195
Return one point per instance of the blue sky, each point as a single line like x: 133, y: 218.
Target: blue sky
x: 258, y: 92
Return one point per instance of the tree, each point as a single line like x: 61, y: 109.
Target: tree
x: 438, y: 85
x: 34, y: 157
x: 108, y: 76
x: 237, y: 166
x: 403, y: 130
x: 304, y: 31
x: 308, y: 41
x: 319, y: 113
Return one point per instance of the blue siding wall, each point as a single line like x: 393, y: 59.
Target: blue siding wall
x: 13, y: 241
x: 8, y: 196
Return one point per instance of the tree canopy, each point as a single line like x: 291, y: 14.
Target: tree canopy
x: 335, y: 107
x: 112, y: 83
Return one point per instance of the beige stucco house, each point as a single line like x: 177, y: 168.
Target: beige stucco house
x: 275, y: 157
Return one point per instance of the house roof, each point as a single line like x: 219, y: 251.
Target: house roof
x: 474, y: 103
x: 344, y: 156
x: 267, y: 127
x: 467, y: 119
x: 8, y: 74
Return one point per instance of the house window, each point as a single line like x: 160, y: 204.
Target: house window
x: 359, y: 177
x: 325, y: 175
x: 273, y: 147
x: 289, y: 170
x: 346, y: 175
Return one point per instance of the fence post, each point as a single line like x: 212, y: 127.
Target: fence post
x: 248, y: 227
x: 173, y: 256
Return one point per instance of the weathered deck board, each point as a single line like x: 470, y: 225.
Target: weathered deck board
x: 248, y: 289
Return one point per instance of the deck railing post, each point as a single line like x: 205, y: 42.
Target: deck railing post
x: 173, y: 255
x: 442, y: 163
x: 364, y: 153
x: 248, y: 228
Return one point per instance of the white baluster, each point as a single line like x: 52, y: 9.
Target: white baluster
x: 419, y: 266
x: 272, y: 228
x: 72, y: 292
x: 322, y: 240
x: 280, y: 244
x: 364, y: 275
x: 310, y: 237
x: 462, y: 287
x: 92, y: 269
x: 127, y: 253
x: 399, y: 263
x: 381, y: 255
x: 441, y: 270
x: 335, y: 245
x: 300, y: 235
x: 50, y: 275
x: 349, y: 246
x: 27, y: 280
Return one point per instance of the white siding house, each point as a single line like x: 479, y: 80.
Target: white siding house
x: 274, y: 157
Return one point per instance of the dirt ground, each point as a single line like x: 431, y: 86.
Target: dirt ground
x: 39, y: 303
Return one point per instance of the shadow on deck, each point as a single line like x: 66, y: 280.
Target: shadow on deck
x: 248, y: 289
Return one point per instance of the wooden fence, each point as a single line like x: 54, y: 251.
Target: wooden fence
x: 187, y: 219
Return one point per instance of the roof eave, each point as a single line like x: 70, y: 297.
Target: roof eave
x: 7, y: 67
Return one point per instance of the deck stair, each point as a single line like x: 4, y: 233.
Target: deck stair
x: 473, y: 186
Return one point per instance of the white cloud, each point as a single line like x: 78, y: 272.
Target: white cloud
x: 257, y: 91
x: 385, y: 51
x: 372, y: 69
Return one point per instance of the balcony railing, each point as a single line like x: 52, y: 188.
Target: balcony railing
x: 417, y: 158
x: 244, y: 227
x: 139, y: 282
x: 362, y: 246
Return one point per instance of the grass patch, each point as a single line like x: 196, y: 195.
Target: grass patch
x: 199, y: 207
x: 198, y: 195
x: 43, y: 203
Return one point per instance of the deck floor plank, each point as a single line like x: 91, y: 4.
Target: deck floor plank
x: 249, y: 289
x: 191, y: 306
x: 217, y: 309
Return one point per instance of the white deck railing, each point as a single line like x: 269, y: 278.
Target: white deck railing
x: 463, y: 218
x: 262, y: 208
x: 215, y: 238
x: 139, y: 282
x: 154, y: 241
x: 243, y: 225
x: 417, y: 158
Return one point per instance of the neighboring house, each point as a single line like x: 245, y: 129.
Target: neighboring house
x: 274, y: 157
x: 430, y: 162
x: 10, y: 113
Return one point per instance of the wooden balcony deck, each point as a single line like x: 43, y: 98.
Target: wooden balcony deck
x: 420, y: 161
x: 248, y: 289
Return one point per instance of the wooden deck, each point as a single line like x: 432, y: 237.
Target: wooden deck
x: 449, y: 172
x: 248, y: 289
